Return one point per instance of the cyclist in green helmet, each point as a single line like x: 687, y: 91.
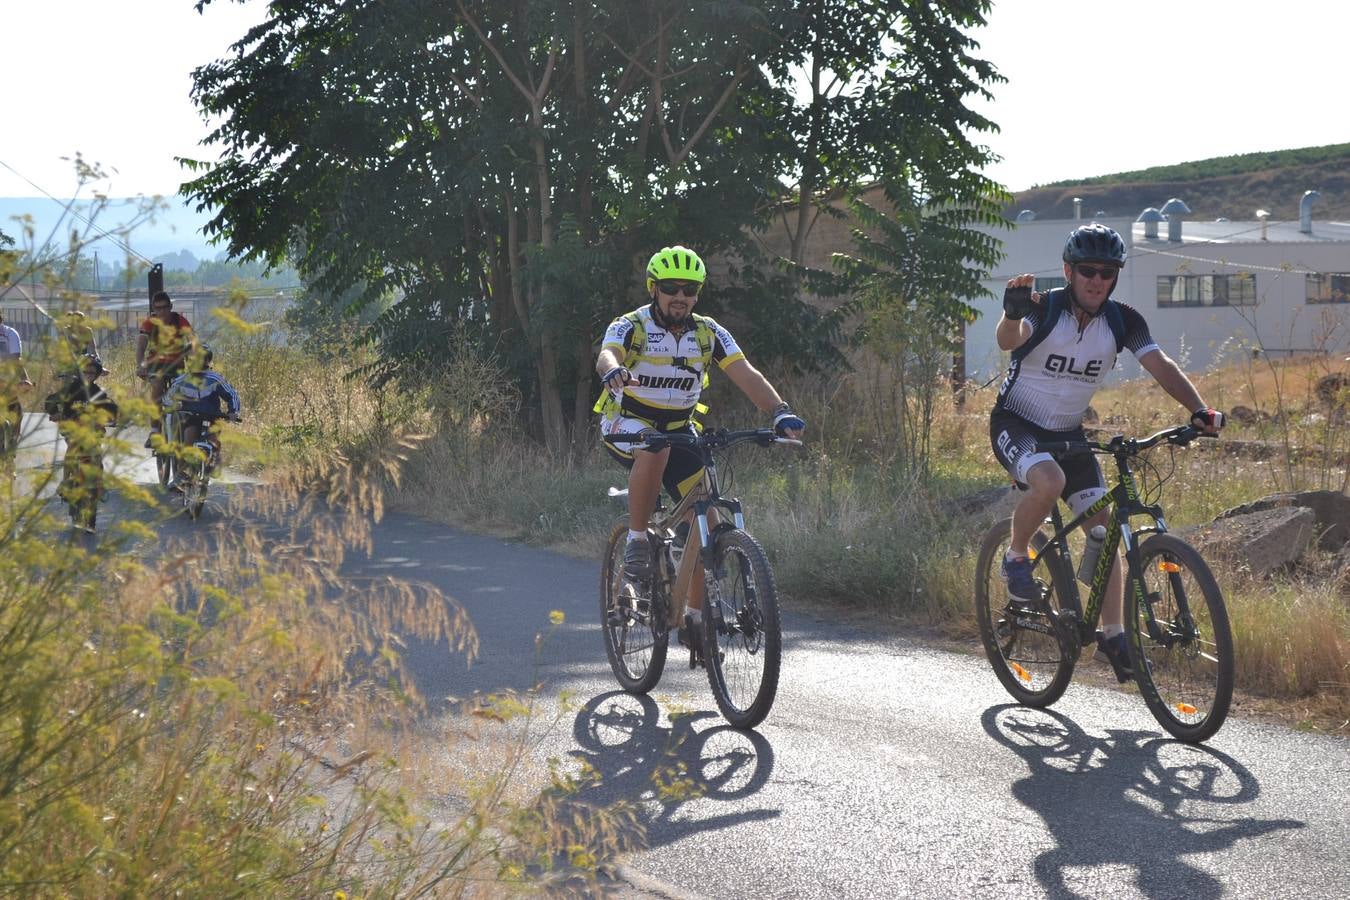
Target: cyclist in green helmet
x: 654, y: 363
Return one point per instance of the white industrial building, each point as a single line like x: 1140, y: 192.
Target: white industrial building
x: 1209, y: 290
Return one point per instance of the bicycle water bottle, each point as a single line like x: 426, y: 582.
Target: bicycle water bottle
x: 1092, y: 551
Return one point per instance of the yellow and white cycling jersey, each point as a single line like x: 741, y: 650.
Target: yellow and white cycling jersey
x: 669, y: 370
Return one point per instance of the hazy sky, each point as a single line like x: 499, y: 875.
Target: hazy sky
x: 1093, y: 88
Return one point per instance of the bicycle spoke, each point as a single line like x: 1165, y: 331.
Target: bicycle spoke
x: 1186, y: 677
x: 743, y: 641
x: 1021, y: 645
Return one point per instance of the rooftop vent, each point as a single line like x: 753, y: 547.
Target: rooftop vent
x: 1305, y: 211
x: 1175, y: 210
x: 1151, y: 217
x: 1026, y: 215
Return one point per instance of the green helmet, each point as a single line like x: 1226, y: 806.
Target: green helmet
x: 674, y: 262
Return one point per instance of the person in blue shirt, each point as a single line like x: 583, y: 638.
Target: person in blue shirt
x: 202, y: 396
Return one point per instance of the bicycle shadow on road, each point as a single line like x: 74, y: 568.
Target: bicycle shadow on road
x: 1131, y: 798
x: 661, y: 769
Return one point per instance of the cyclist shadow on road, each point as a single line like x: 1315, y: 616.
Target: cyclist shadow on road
x: 631, y: 756
x: 1131, y: 799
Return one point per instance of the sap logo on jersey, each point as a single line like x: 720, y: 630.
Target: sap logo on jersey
x: 1071, y: 366
x: 676, y: 384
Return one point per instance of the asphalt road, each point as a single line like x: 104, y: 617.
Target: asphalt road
x: 887, y: 768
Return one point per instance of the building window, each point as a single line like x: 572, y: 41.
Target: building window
x: 1328, y: 288
x: 1048, y: 284
x: 1207, y: 290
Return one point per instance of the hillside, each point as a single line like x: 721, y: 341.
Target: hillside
x: 1232, y: 187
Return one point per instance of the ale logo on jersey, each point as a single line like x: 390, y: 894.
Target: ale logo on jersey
x: 1068, y: 365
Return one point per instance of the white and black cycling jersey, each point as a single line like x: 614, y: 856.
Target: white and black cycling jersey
x: 1052, y: 377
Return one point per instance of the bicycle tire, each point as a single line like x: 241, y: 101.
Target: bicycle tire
x: 742, y: 634
x: 194, y: 492
x: 1185, y: 672
x: 637, y: 647
x: 164, y: 469
x: 1029, y: 663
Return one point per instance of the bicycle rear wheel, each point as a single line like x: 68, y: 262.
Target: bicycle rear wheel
x: 636, y: 634
x: 1022, y: 645
x: 1181, y: 647
x: 742, y: 635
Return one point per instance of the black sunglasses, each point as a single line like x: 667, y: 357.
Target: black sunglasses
x: 1105, y: 273
x: 671, y: 288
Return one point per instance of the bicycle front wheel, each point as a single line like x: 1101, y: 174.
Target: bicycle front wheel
x: 636, y: 634
x: 194, y: 492
x: 1021, y: 644
x: 1181, y: 645
x: 742, y: 635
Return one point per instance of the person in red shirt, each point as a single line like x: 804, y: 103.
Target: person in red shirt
x: 161, y: 348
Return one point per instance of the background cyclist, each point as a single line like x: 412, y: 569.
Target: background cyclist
x: 13, y: 377
x: 1055, y: 369
x: 202, y: 396
x: 653, y: 362
x: 164, y: 338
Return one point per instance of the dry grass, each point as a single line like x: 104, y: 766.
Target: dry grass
x: 852, y: 522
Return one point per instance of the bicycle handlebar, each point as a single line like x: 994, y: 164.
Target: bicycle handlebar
x: 717, y: 439
x: 1178, y: 435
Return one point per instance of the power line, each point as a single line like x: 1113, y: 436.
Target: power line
x: 70, y: 208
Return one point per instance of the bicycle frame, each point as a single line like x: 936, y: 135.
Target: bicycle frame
x: 704, y: 499
x: 1125, y: 503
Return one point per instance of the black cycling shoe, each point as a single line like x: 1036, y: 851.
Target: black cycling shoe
x: 637, y: 559
x: 1117, y: 654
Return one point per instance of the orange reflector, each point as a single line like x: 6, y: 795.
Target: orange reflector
x: 1031, y: 553
x: 1020, y: 672
x: 1186, y: 708
x: 1166, y: 566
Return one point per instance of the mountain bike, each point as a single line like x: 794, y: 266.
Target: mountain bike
x: 9, y: 442
x: 190, y: 467
x: 1176, y: 625
x: 740, y: 640
x: 81, y: 487
x: 166, y: 450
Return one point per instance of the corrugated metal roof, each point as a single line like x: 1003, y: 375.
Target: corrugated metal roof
x: 1235, y: 232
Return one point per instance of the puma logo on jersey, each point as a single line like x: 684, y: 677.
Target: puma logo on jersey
x: 676, y: 384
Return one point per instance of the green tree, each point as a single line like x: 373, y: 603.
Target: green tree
x: 917, y: 267
x: 509, y: 166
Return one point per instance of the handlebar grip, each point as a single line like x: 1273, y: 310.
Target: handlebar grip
x: 634, y: 437
x: 1062, y: 447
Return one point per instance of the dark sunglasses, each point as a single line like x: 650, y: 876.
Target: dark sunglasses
x: 1105, y: 273
x: 671, y: 288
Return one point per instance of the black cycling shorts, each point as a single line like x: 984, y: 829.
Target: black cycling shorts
x: 1014, y: 441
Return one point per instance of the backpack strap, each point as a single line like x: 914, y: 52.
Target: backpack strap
x: 1053, y: 304
x: 1116, y: 319
x: 1056, y: 301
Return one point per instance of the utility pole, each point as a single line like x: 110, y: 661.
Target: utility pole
x: 156, y: 280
